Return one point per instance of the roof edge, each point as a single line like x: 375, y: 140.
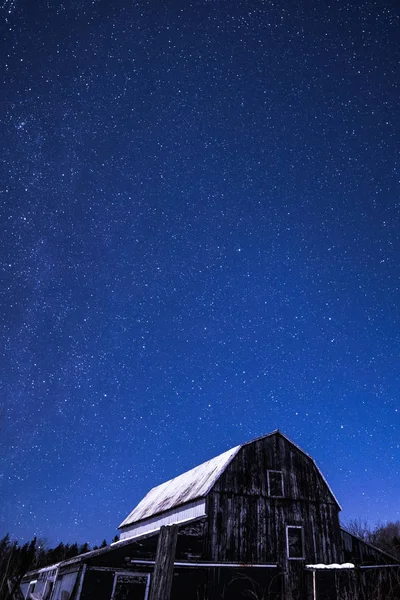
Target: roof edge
x: 315, y: 464
x: 235, y: 451
x: 232, y: 452
x: 278, y: 432
x: 160, y: 514
x: 93, y: 553
x: 369, y: 544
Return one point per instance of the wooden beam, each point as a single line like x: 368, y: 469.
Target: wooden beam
x: 161, y: 581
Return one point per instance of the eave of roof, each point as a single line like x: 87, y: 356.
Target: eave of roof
x: 370, y: 545
x: 92, y: 554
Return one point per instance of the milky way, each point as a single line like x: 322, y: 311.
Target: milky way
x: 200, y: 244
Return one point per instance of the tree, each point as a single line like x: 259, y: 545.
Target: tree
x: 41, y: 553
x: 15, y: 561
x: 359, y: 528
x: 71, y: 550
x: 56, y: 554
x: 84, y: 548
x: 387, y: 537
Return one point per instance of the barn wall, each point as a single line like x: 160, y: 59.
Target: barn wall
x: 247, y: 471
x: 247, y: 525
x: 190, y: 545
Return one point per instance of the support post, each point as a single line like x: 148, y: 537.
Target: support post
x: 161, y: 581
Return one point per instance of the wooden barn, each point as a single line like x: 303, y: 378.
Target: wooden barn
x: 259, y: 521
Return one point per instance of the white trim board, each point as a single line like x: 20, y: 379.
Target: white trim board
x: 183, y: 514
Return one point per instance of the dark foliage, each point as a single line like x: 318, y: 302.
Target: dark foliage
x: 386, y: 537
x: 16, y: 560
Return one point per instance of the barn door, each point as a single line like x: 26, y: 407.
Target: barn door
x: 131, y: 586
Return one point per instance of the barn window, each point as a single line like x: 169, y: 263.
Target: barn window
x: 294, y: 542
x: 31, y: 588
x: 275, y: 483
x: 131, y: 586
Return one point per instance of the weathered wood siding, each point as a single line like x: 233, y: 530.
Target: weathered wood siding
x: 191, y: 537
x: 246, y: 525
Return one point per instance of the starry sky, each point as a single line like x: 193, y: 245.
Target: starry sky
x: 200, y: 243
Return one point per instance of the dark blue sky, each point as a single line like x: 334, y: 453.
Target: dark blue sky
x: 199, y: 244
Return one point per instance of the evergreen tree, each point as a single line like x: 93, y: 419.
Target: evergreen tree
x: 84, y: 548
x: 15, y: 561
x: 71, y: 550
x: 56, y: 554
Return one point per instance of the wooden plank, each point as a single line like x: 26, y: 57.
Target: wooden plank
x: 161, y: 581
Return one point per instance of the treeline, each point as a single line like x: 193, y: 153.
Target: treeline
x: 48, y: 556
x: 17, y: 559
x: 386, y: 537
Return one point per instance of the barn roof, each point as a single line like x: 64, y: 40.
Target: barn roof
x: 192, y: 485
x: 195, y: 484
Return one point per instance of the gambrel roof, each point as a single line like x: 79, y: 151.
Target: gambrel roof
x: 195, y: 485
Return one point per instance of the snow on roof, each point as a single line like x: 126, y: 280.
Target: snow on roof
x: 192, y: 485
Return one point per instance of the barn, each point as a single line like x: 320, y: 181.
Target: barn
x: 259, y: 520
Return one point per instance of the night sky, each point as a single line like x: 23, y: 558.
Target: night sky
x: 200, y: 243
